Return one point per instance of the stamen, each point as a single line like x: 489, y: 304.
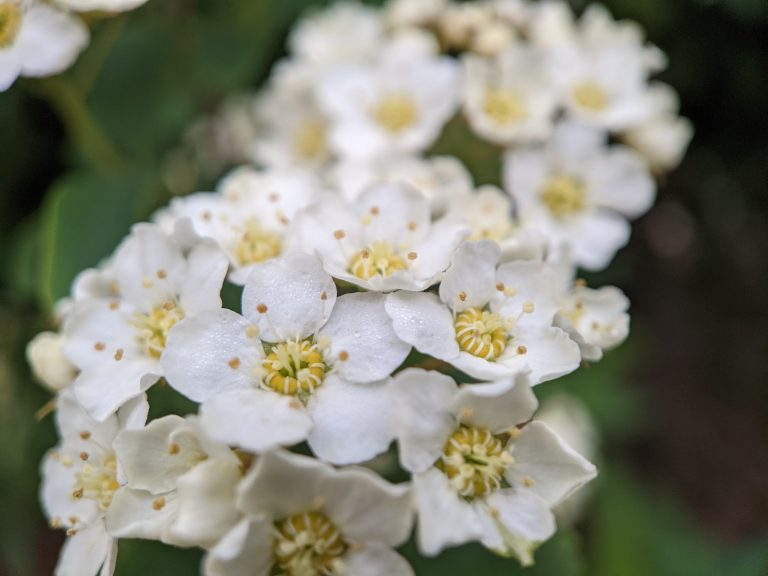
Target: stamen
x: 308, y: 544
x: 481, y: 333
x: 294, y: 368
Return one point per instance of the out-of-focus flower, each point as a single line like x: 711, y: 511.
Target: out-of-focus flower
x: 105, y: 5
x: 45, y: 354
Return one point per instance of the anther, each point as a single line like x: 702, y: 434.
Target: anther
x: 522, y: 349
x: 412, y: 255
x: 162, y: 274
x: 84, y: 456
x: 99, y: 346
x: 252, y: 331
x: 462, y: 296
x: 234, y: 363
x: 85, y: 434
x: 207, y: 215
x: 114, y: 305
x: 173, y: 448
x: 324, y: 296
x: 528, y: 481
x: 78, y: 493
x: 158, y: 504
x: 261, y: 308
x: 411, y: 226
x: 375, y: 210
x: 119, y: 354
x: 343, y: 355
x: 274, y: 197
x: 528, y: 308
x: 339, y: 234
x: 147, y: 283
x: 500, y: 286
x: 71, y: 531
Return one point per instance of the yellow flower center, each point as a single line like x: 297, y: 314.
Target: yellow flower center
x: 504, y: 106
x: 481, y: 333
x: 563, y: 196
x: 153, y: 328
x: 308, y: 545
x: 474, y: 460
x: 591, y: 96
x: 97, y: 482
x: 257, y: 244
x: 294, y: 368
x: 10, y: 21
x: 395, y: 112
x: 380, y: 259
x: 310, y: 140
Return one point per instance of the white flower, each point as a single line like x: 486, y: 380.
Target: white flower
x: 305, y: 518
x: 596, y: 319
x: 300, y: 364
x: 80, y: 479
x: 117, y: 341
x: 343, y: 33
x: 413, y: 13
x: 663, y: 138
x: 481, y: 473
x: 250, y: 217
x: 171, y: 467
x: 460, y: 22
x: 37, y: 39
x: 106, y: 5
x: 488, y: 213
x: 488, y: 322
x: 443, y: 180
x: 579, y: 192
x: 45, y: 354
x: 383, y: 241
x: 398, y: 105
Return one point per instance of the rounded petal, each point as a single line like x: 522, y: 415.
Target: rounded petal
x: 359, y: 326
x: 84, y: 553
x: 423, y: 416
x: 212, y: 353
x: 246, y: 550
x: 547, y: 352
x: 103, y: 389
x: 547, y: 466
x: 470, y: 281
x: 49, y: 39
x: 350, y: 422
x: 496, y: 406
x: 201, y: 286
x: 256, y: 420
x: 295, y: 294
x: 596, y: 237
x: 621, y: 180
x: 139, y: 514
x: 374, y: 559
x: 420, y: 319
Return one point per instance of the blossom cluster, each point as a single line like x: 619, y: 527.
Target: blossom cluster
x: 42, y: 38
x: 388, y: 305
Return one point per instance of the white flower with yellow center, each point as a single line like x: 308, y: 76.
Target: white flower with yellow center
x: 488, y: 322
x: 580, y: 192
x: 383, y: 241
x: 250, y: 217
x: 298, y: 364
x: 482, y: 471
x: 398, y: 105
x: 443, y: 180
x: 37, y: 39
x: 509, y: 99
x: 180, y: 485
x: 116, y: 342
x: 81, y: 480
x: 305, y: 518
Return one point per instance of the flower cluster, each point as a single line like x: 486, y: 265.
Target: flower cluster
x: 387, y: 306
x: 41, y: 38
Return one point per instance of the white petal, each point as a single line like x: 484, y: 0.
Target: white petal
x: 554, y: 467
x: 256, y: 420
x: 549, y: 354
x: 49, y: 39
x: 139, y: 514
x: 205, y: 504
x: 85, y: 552
x: 58, y: 483
x: 434, y: 254
x: 622, y: 180
x: 72, y: 419
x: 359, y: 326
x: 470, y: 281
x: 597, y: 237
x: 366, y: 508
x: 444, y: 519
x: 420, y: 319
x: 246, y: 550
x: 201, y: 288
x: 350, y: 422
x: 423, y: 416
x: 375, y: 559
x: 496, y: 406
x: 212, y: 353
x: 298, y: 294
x: 282, y: 484
x: 103, y: 389
x: 396, y: 213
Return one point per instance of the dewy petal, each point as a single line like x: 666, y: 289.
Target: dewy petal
x: 84, y: 553
x: 366, y: 508
x: 546, y: 465
x: 201, y: 287
x: 139, y: 514
x: 282, y: 484
x: 423, y: 416
x: 205, y: 504
x: 444, y: 519
x: 256, y: 420
x: 394, y: 213
x: 470, y: 280
x: 350, y: 422
x: 420, y: 319
x: 549, y: 354
x: 374, y: 559
x: 497, y: 406
x: 516, y: 522
x: 103, y: 389
x: 359, y: 326
x: 246, y: 550
x: 212, y: 353
x: 289, y: 297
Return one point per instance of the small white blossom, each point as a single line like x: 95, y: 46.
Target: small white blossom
x: 413, y: 13
x: 482, y: 471
x: 45, y: 354
x: 305, y: 518
x: 488, y: 322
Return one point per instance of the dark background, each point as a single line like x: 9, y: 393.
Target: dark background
x: 682, y: 406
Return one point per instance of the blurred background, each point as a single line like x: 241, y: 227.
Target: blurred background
x: 681, y: 409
